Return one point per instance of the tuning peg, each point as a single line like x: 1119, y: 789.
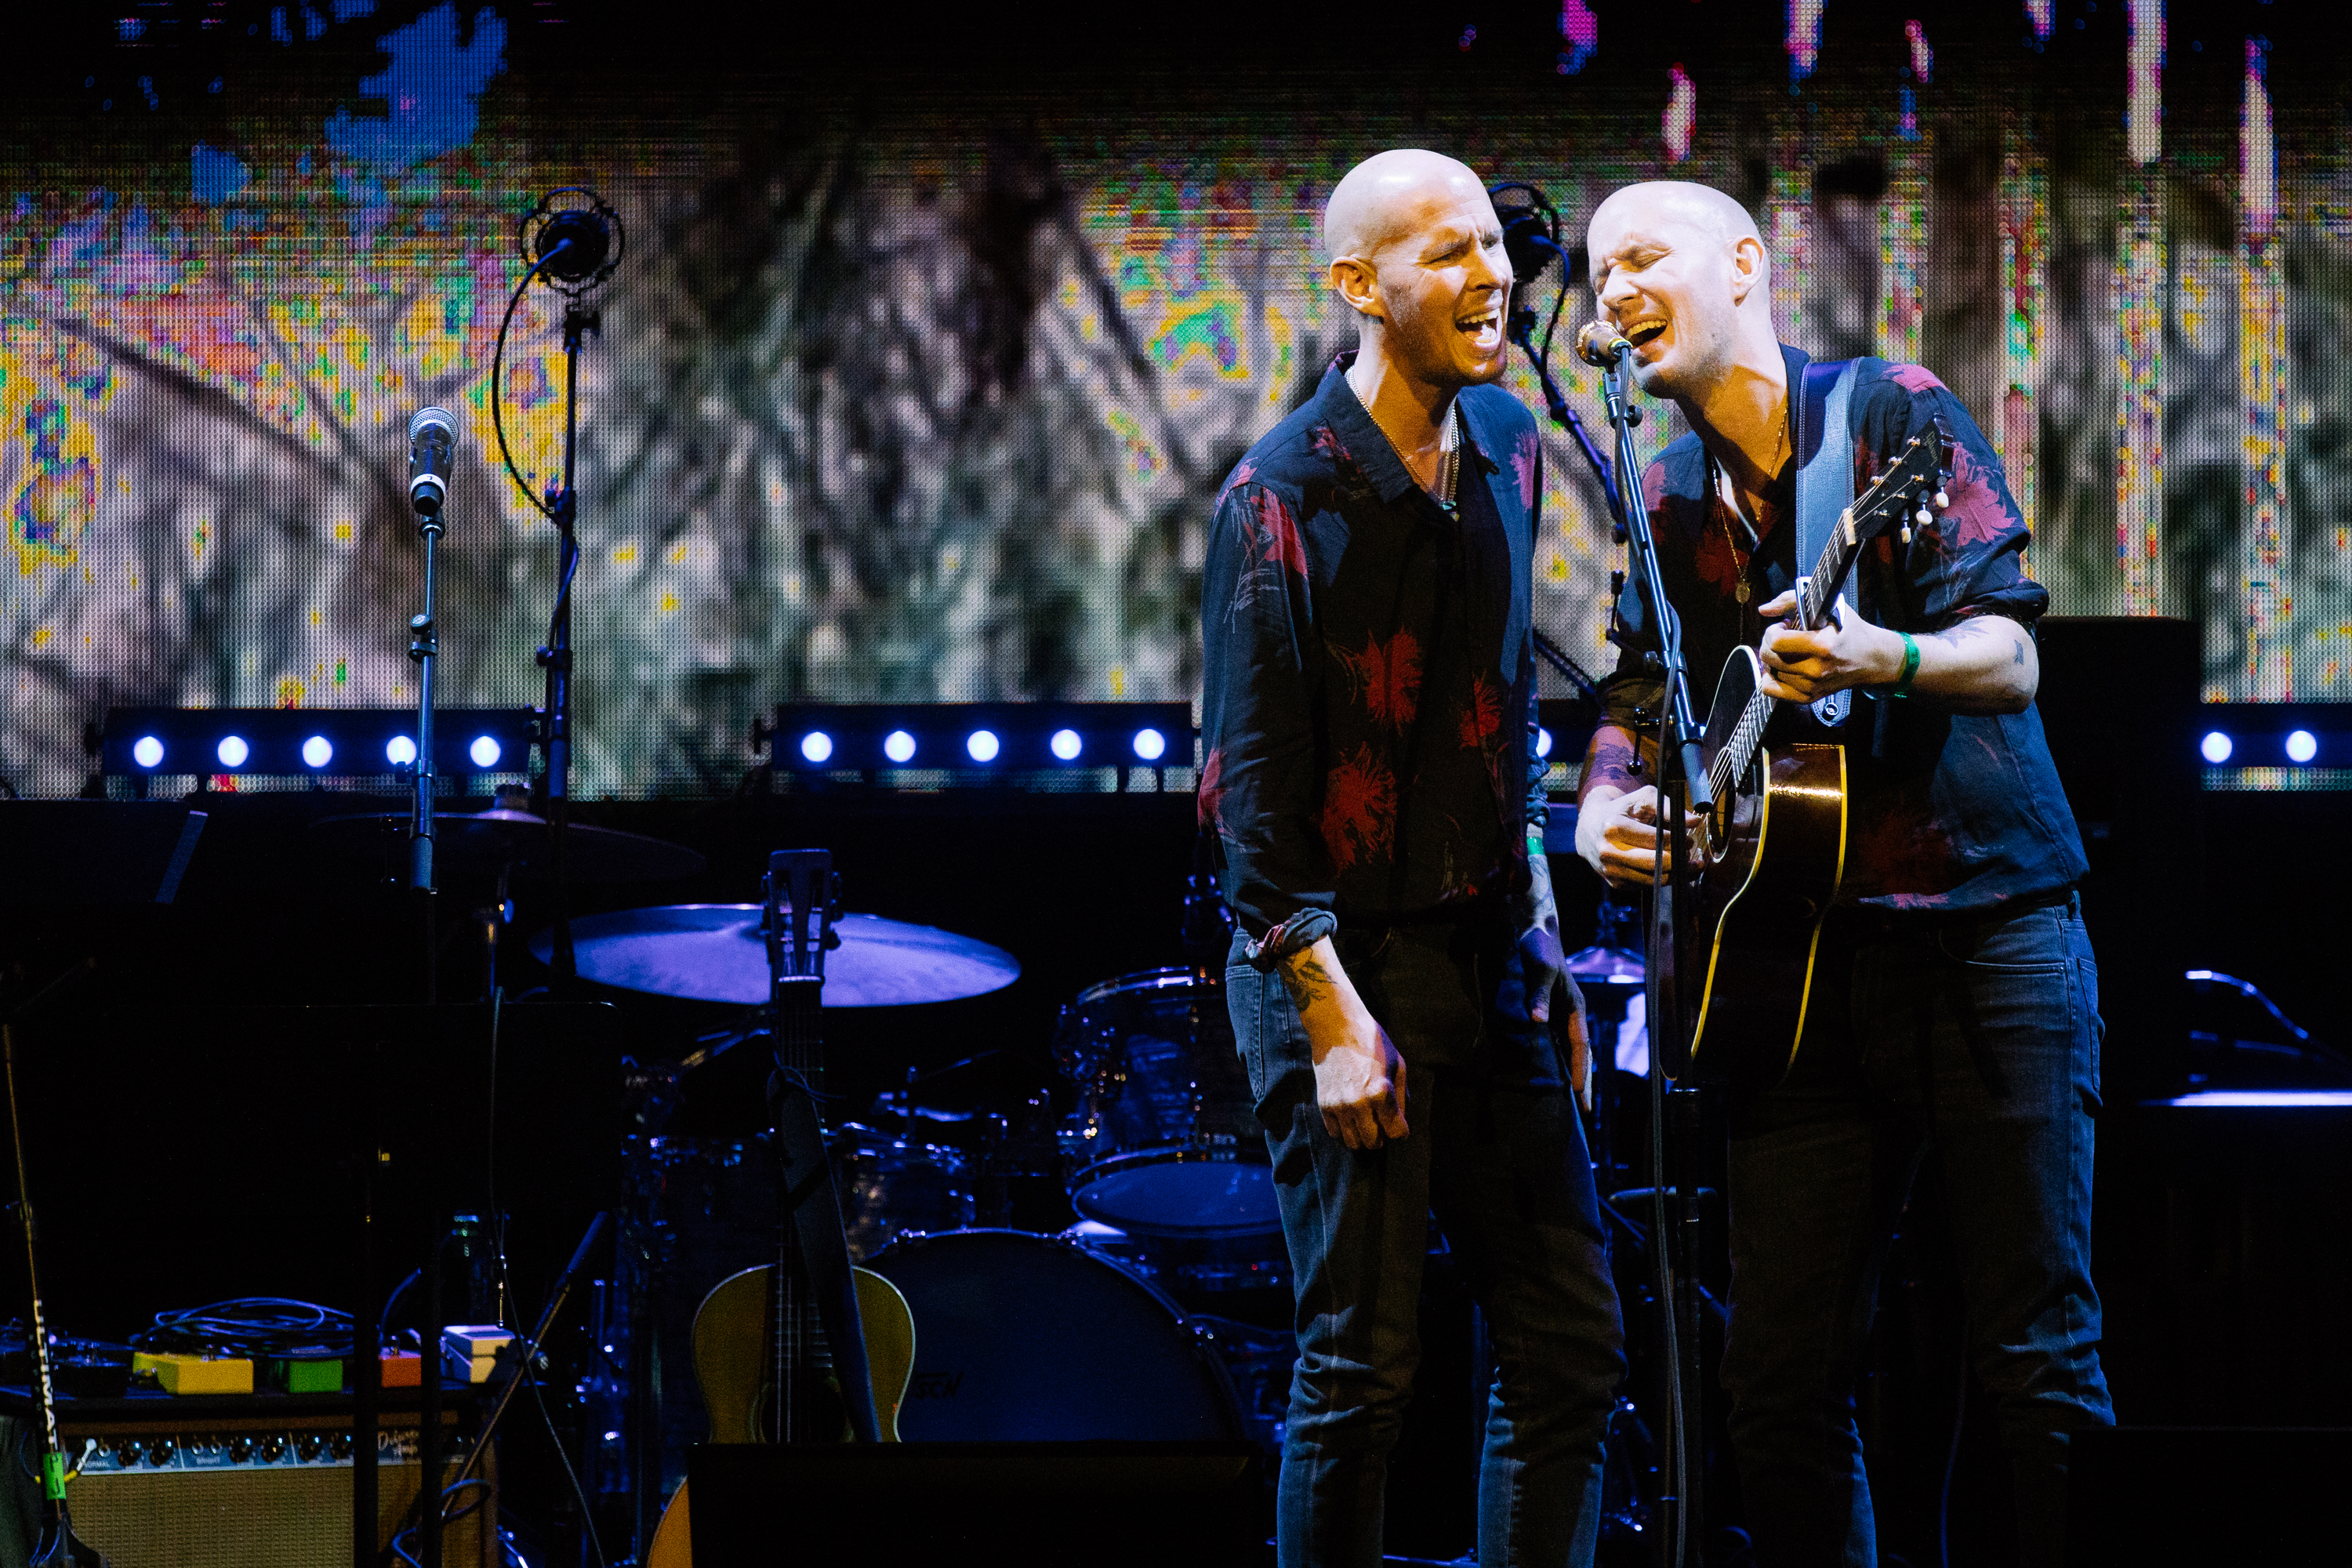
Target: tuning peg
x: 1907, y: 532
x: 1923, y: 517
x: 1943, y: 497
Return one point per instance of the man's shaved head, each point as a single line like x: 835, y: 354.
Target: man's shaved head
x: 1382, y: 198
x: 1680, y: 204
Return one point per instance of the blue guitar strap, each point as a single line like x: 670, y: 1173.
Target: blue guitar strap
x: 1824, y: 481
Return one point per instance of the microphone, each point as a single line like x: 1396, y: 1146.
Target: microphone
x: 432, y: 443
x: 1598, y: 343
x: 572, y: 239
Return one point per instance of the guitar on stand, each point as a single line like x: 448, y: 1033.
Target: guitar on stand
x: 807, y: 1350
x: 1772, y: 851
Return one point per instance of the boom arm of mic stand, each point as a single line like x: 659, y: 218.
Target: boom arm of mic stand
x: 1556, y: 403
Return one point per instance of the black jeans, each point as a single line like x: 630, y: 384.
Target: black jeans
x: 1495, y: 1151
x: 1981, y: 1038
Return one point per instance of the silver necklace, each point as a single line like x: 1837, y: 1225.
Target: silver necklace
x: 1449, y: 449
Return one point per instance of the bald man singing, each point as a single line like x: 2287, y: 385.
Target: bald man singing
x: 1955, y: 999
x: 1373, y: 792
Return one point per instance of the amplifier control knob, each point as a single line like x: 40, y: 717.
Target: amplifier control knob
x: 240, y: 1450
x: 307, y: 1446
x: 159, y: 1451
x: 339, y: 1446
x: 273, y: 1449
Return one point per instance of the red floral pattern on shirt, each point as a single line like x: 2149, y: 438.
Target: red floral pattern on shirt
x: 1359, y: 815
x: 1387, y: 679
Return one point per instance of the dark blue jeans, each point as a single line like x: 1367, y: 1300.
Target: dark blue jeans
x: 1979, y: 1039
x: 1496, y: 1152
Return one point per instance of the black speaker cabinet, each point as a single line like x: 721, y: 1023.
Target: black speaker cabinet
x: 2120, y: 704
x: 249, y: 1488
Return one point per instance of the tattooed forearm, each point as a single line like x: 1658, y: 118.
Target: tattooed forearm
x: 1304, y: 976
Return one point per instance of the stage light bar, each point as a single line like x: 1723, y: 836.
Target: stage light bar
x: 295, y: 743
x: 966, y: 738
x: 2274, y: 745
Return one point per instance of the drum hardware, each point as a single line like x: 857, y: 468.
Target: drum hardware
x: 505, y: 838
x: 718, y: 953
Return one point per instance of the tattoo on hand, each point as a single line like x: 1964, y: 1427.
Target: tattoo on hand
x: 1307, y: 981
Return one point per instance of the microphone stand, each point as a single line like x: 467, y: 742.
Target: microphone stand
x: 556, y: 656
x: 1682, y: 788
x: 424, y: 649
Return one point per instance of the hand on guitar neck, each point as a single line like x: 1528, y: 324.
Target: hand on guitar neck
x: 1986, y: 664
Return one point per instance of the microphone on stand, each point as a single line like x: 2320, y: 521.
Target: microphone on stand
x: 1599, y: 343
x: 432, y: 446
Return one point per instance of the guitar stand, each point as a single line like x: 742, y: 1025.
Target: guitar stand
x: 808, y: 1210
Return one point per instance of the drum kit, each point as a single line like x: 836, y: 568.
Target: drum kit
x: 1093, y: 1332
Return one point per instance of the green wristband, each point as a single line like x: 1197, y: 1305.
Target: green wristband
x: 1902, y: 687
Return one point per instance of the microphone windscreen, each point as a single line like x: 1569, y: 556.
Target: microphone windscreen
x: 425, y: 419
x: 1597, y: 343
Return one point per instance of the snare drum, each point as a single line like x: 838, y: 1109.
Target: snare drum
x: 1164, y: 1140
x: 1025, y: 1339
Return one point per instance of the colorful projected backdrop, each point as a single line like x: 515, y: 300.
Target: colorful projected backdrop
x: 912, y: 392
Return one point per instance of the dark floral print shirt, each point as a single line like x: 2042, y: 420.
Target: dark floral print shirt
x: 1367, y: 705
x: 1945, y: 811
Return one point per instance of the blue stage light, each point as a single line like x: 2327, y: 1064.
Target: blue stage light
x: 2302, y: 746
x: 982, y: 745
x: 400, y: 750
x: 816, y: 746
x: 485, y: 752
x: 318, y: 751
x: 1150, y: 745
x: 233, y: 750
x: 147, y: 751
x: 2215, y: 747
x: 1543, y: 741
x: 898, y: 746
x: 1067, y: 744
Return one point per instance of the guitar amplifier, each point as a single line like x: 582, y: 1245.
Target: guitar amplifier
x: 185, y: 1490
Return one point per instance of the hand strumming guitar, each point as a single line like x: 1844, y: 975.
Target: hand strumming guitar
x: 1617, y: 834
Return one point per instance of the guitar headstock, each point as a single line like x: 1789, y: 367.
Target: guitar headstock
x: 1900, y: 497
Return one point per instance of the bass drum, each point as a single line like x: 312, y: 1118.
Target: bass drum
x: 1024, y: 1338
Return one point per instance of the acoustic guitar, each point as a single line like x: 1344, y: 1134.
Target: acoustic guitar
x: 734, y: 1367
x: 1773, y: 849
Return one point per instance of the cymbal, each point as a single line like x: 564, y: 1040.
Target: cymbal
x: 1605, y: 966
x: 486, y: 840
x: 715, y: 952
